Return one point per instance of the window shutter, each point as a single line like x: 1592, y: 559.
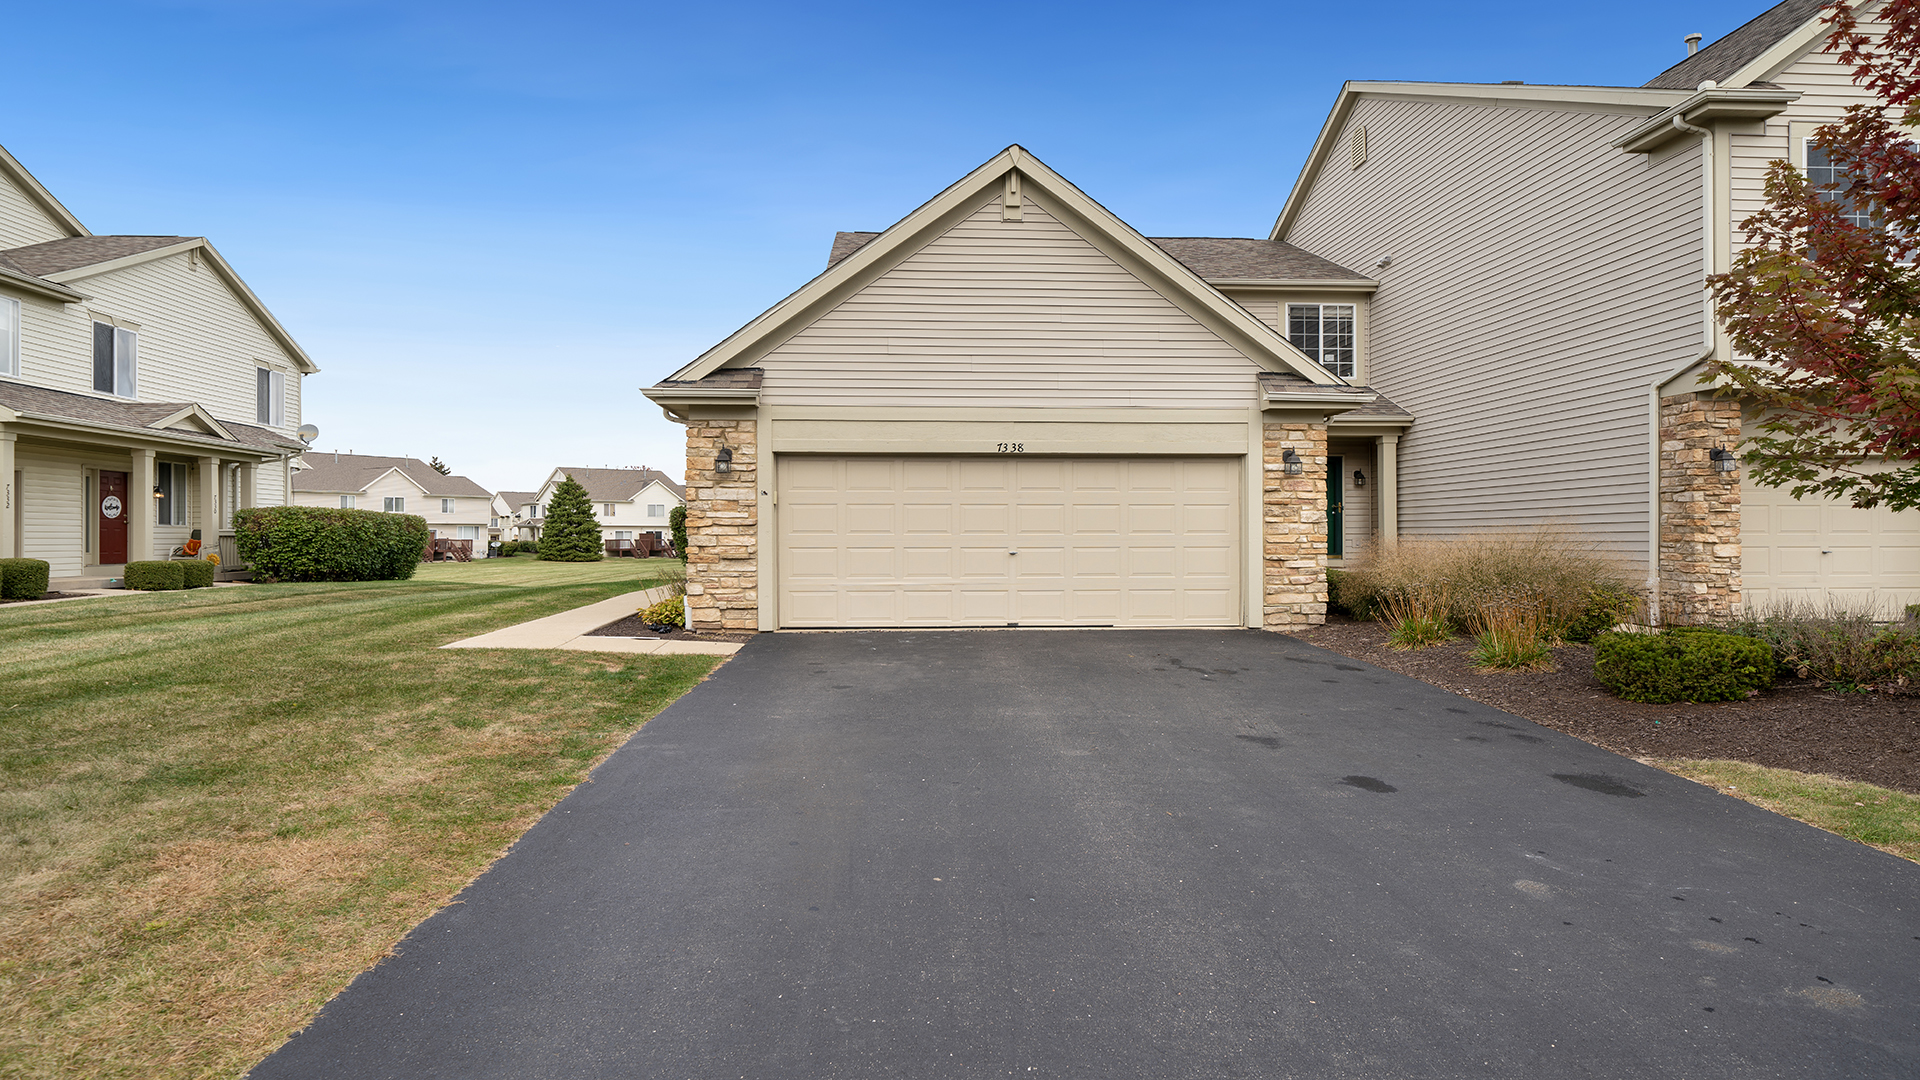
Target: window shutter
x: 1357, y: 146
x: 103, y: 358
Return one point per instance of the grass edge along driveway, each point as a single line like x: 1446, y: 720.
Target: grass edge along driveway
x: 218, y: 806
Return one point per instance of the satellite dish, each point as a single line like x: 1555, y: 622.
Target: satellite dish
x: 308, y: 433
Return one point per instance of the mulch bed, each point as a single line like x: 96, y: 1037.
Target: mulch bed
x: 631, y: 626
x: 1868, y: 737
x: 47, y: 596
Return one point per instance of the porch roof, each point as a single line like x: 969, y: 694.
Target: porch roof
x: 38, y: 403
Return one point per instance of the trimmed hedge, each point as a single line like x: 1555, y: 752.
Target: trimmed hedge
x: 321, y: 543
x: 1685, y: 664
x: 23, y: 579
x: 155, y: 576
x: 198, y: 573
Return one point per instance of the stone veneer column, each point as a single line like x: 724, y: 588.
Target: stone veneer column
x: 723, y: 520
x: 1294, y: 527
x: 1699, y: 510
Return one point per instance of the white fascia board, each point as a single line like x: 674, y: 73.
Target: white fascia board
x: 1628, y: 98
x: 847, y: 276
x: 701, y: 395
x: 221, y: 267
x: 1704, y: 107
x: 40, y: 195
x: 1307, y: 395
x: 39, y: 287
x: 1297, y: 284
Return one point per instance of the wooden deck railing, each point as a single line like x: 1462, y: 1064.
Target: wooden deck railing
x: 441, y: 548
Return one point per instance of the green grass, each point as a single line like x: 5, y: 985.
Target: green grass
x: 216, y: 807
x: 1876, y: 816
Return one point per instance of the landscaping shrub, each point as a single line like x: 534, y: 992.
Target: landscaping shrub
x: 1682, y: 666
x: 1416, y: 615
x: 196, y: 573
x: 1846, y: 649
x: 23, y: 579
x: 155, y: 576
x: 677, y: 522
x: 321, y: 543
x: 669, y: 612
x: 571, y: 533
x: 1510, y: 630
x: 1568, y: 573
x: 1607, y: 604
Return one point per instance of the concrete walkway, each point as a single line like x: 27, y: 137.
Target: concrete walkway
x: 569, y: 630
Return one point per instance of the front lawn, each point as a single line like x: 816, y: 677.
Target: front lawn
x: 218, y: 806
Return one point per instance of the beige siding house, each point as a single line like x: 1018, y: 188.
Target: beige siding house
x: 1541, y: 254
x: 455, y: 507
x: 1012, y: 409
x: 145, y: 391
x: 626, y: 502
x: 517, y: 511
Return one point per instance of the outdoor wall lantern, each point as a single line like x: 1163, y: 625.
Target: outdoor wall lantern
x: 723, y: 461
x: 1723, y: 459
x: 1291, y: 461
x: 1359, y: 479
x: 157, y: 493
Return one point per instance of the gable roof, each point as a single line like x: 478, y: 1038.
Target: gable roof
x: 516, y: 499
x: 74, y: 252
x: 39, y: 195
x: 614, y: 485
x: 149, y: 419
x: 356, y: 472
x: 1214, y: 258
x: 1728, y: 56
x: 1012, y: 170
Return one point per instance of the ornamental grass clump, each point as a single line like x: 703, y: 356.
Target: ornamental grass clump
x: 1838, y: 646
x: 1510, y: 628
x: 1416, y: 614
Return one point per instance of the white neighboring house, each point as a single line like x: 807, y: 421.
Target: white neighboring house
x: 455, y: 507
x: 145, y: 391
x: 516, y: 510
x: 626, y: 502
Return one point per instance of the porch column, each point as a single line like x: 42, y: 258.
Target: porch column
x: 141, y: 509
x: 1386, y: 470
x: 247, y: 483
x: 210, y: 524
x: 10, y: 540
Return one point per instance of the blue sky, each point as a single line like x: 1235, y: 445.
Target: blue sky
x: 491, y: 224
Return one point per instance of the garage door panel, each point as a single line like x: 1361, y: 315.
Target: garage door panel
x: 1821, y: 551
x: 932, y: 541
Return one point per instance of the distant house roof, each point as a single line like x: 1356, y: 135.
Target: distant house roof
x: 1725, y: 57
x: 145, y: 417
x: 517, y: 499
x: 619, y: 485
x: 1214, y: 258
x: 74, y: 252
x: 354, y: 472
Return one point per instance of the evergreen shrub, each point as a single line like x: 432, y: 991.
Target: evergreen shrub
x: 571, y: 532
x: 677, y: 521
x: 321, y: 543
x: 156, y: 575
x: 1686, y: 664
x: 23, y: 579
x: 197, y: 573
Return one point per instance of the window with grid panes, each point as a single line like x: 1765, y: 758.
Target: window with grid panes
x: 1325, y: 333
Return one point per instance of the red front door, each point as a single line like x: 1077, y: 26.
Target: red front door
x: 113, y: 517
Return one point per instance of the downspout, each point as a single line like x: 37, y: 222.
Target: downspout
x: 1707, y: 329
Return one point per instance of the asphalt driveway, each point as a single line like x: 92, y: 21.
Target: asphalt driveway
x: 1136, y: 854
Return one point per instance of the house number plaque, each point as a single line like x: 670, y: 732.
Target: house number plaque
x: 110, y: 507
x: 1010, y: 448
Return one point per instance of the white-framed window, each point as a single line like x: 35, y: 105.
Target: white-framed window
x: 9, y: 336
x: 655, y: 510
x: 493, y: 523
x: 270, y: 397
x: 116, y: 360
x: 1830, y: 181
x: 346, y: 502
x: 446, y: 506
x: 623, y: 534
x: 170, y: 504
x: 606, y: 509
x: 467, y: 532
x: 1325, y: 333
x: 394, y: 504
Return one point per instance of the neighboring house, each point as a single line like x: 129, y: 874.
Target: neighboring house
x: 626, y: 502
x: 1544, y: 317
x: 455, y: 507
x: 1010, y: 408
x: 516, y: 511
x: 145, y: 391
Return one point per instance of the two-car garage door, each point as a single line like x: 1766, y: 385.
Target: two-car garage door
x: 1008, y: 540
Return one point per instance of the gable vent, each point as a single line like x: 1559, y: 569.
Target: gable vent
x: 1357, y: 146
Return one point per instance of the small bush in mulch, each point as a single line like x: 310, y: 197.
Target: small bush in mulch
x: 669, y: 612
x: 155, y: 576
x: 23, y: 579
x: 1689, y: 665
x: 1843, y: 649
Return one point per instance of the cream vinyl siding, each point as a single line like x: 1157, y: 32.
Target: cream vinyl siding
x: 1541, y: 279
x: 22, y: 222
x: 1020, y: 314
x: 989, y: 541
x: 197, y: 342
x: 53, y: 507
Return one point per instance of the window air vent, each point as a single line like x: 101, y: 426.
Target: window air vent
x: 1357, y: 146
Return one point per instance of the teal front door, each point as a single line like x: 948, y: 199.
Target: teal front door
x: 1336, y: 511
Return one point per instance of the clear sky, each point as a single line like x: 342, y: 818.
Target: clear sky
x: 490, y: 224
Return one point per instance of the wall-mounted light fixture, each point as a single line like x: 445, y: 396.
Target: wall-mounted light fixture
x: 1292, y: 463
x: 1723, y: 459
x: 723, y: 461
x: 157, y: 493
x: 1359, y: 478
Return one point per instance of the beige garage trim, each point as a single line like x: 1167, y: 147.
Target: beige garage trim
x: 1816, y: 550
x: 1008, y: 539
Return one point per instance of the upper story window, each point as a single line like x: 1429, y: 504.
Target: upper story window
x: 9, y: 336
x: 1830, y: 180
x: 446, y: 506
x: 493, y: 523
x: 1325, y: 333
x: 270, y: 397
x: 346, y: 502
x: 655, y: 510
x: 394, y: 504
x: 606, y: 509
x: 116, y: 359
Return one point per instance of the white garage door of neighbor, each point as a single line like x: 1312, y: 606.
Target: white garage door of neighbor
x: 1819, y: 550
x: 993, y: 541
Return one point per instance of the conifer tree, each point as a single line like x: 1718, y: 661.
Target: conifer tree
x: 571, y: 534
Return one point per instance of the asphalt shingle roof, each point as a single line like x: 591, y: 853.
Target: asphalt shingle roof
x: 517, y: 499
x: 1212, y: 257
x: 331, y: 472
x: 73, y: 252
x: 619, y: 485
x: 1720, y: 60
x: 137, y: 416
